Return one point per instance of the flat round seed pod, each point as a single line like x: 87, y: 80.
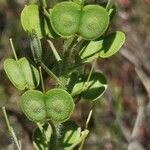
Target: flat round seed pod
x: 33, y: 105
x: 59, y: 105
x: 70, y: 135
x: 65, y: 18
x: 31, y: 74
x: 94, y: 22
x: 32, y: 18
x: 22, y: 73
x: 96, y: 86
x: 14, y: 73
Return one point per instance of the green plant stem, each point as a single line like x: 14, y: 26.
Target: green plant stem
x: 42, y: 81
x: 42, y: 3
x: 109, y: 4
x: 86, y: 84
x: 50, y: 73
x: 83, y: 137
x: 91, y: 71
x: 13, y: 49
x: 54, y: 51
x: 17, y: 143
x: 85, y: 132
x: 88, y: 119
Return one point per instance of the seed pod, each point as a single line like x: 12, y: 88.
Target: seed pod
x: 36, y: 47
x: 30, y: 73
x: 22, y: 73
x: 14, y: 73
x: 65, y: 18
x: 59, y: 105
x: 33, y: 106
x: 32, y: 18
x: 94, y: 22
x: 55, y: 104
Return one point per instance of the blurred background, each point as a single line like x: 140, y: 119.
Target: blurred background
x: 121, y: 119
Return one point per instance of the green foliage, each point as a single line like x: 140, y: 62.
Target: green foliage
x: 69, y: 135
x: 42, y: 136
x: 90, y: 90
x: 83, y: 31
x: 104, y: 47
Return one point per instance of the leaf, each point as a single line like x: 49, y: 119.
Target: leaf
x: 22, y: 73
x: 111, y: 44
x: 112, y: 12
x: 105, y: 46
x: 55, y: 104
x: 42, y: 137
x: 69, y: 135
x: 96, y: 86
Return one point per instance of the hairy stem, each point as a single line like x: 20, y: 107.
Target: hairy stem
x: 17, y: 143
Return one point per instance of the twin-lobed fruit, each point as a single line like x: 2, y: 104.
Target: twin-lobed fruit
x: 56, y: 104
x: 68, y: 18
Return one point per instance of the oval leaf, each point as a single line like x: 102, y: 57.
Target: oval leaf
x: 105, y: 46
x: 41, y: 138
x: 95, y: 88
x: 111, y: 44
x: 70, y: 135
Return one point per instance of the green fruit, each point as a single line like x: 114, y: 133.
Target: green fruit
x: 56, y: 104
x: 33, y: 105
x: 59, y: 105
x: 22, y: 73
x: 32, y: 18
x: 94, y: 22
x: 65, y: 18
x: 96, y: 86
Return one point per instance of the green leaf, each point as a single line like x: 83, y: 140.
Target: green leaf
x: 105, y: 46
x: 95, y: 88
x: 42, y: 137
x: 70, y: 135
x: 111, y: 44
x: 55, y: 104
x: 112, y: 12
x: 22, y: 73
x: 32, y: 18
